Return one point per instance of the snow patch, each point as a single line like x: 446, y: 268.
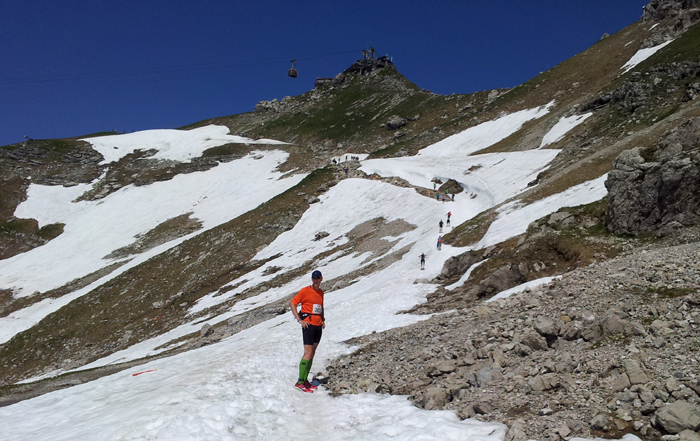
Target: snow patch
x: 174, y: 145
x: 642, y: 55
x: 514, y: 222
x: 520, y: 288
x: 562, y: 127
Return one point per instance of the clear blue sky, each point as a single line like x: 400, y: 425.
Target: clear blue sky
x: 70, y: 68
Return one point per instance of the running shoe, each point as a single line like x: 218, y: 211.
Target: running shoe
x: 310, y: 386
x: 302, y: 387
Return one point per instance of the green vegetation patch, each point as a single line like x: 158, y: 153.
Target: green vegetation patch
x: 20, y: 226
x: 671, y: 293
x: 471, y: 231
x: 50, y: 231
x: 226, y: 150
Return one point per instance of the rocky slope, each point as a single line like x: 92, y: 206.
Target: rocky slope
x: 605, y: 350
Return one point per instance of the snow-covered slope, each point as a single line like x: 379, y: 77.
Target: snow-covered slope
x: 174, y: 145
x: 241, y: 388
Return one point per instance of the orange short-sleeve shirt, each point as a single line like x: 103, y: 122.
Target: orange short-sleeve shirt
x: 311, y: 303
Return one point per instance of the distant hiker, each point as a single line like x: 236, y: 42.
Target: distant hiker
x: 346, y: 170
x: 443, y: 198
x: 449, y: 213
x: 437, y: 196
x: 453, y: 197
x: 440, y: 224
x: 422, y: 261
x: 434, y: 185
x: 447, y: 192
x: 439, y: 244
x: 313, y: 322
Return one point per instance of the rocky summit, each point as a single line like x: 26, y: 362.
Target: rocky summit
x: 564, y: 301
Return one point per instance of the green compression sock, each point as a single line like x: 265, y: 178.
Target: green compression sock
x: 308, y: 368
x: 304, y: 366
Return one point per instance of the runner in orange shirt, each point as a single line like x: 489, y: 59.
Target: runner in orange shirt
x: 312, y: 323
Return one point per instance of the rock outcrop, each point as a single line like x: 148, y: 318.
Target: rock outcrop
x: 656, y: 190
x: 683, y: 12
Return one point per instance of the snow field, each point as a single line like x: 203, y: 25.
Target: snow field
x: 483, y: 135
x: 370, y: 200
x: 514, y: 221
x: 174, y: 145
x: 241, y: 388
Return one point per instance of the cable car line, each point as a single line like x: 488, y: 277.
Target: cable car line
x: 192, y: 67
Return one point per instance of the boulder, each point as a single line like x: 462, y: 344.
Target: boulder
x: 483, y: 408
x: 487, y: 375
x: 450, y: 187
x: 635, y: 372
x: 206, y: 330
x: 688, y: 435
x: 541, y: 383
x: 613, y: 325
x: 505, y: 277
x: 535, y: 341
x: 395, y: 122
x: 546, y: 326
x: 571, y: 330
x: 634, y: 328
x: 620, y: 382
x: 679, y: 416
x: 516, y: 432
x: 458, y: 265
x: 435, y: 398
x: 600, y: 421
x: 592, y: 332
x: 441, y: 367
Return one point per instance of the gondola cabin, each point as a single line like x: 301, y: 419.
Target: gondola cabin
x: 293, y: 71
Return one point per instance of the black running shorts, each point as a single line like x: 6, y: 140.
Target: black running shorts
x: 312, y: 334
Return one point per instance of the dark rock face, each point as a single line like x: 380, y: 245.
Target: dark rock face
x: 656, y: 190
x: 685, y: 12
x: 503, y: 278
x: 457, y: 265
x: 451, y: 186
x: 638, y: 91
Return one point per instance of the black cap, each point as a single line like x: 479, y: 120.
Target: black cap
x: 316, y: 274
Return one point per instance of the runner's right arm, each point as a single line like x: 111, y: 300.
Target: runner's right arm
x: 295, y: 313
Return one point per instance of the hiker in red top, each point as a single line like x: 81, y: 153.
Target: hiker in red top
x: 312, y: 323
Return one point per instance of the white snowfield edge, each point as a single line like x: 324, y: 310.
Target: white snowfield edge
x: 642, y: 55
x: 241, y: 388
x: 562, y: 127
x: 172, y: 144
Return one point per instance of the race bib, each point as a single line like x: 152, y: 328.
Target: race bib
x: 318, y: 309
